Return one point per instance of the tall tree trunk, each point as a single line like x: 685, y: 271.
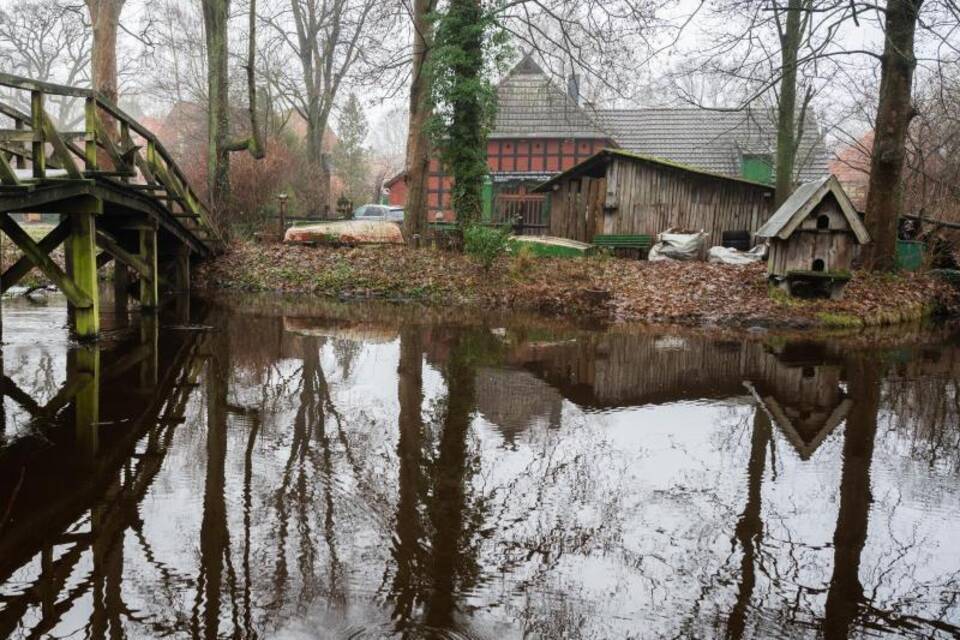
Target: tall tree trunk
x: 215, y: 17
x: 418, y: 143
x: 317, y: 155
x: 894, y: 113
x: 105, y: 19
x: 790, y: 39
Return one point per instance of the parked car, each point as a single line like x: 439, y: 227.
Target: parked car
x: 378, y: 212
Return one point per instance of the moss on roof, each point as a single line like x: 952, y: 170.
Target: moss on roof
x: 663, y: 162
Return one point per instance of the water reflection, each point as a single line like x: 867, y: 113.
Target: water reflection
x: 251, y: 469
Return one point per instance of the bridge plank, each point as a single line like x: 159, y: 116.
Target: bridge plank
x: 43, y: 262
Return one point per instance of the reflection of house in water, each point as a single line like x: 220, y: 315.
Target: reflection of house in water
x: 799, y: 387
x: 514, y: 400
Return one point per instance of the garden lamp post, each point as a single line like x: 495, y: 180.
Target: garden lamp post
x: 282, y: 200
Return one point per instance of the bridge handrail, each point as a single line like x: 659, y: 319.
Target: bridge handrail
x: 155, y: 148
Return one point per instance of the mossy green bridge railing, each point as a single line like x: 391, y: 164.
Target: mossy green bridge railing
x: 119, y: 194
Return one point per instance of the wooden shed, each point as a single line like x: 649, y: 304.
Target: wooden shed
x: 618, y: 192
x: 816, y: 231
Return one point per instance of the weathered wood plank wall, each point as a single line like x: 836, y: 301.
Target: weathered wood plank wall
x: 637, y: 197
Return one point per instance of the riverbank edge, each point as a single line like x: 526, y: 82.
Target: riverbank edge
x: 604, y: 288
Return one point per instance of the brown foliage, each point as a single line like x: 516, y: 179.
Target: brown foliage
x: 256, y: 183
x: 683, y: 293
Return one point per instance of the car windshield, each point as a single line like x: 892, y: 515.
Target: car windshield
x: 369, y: 211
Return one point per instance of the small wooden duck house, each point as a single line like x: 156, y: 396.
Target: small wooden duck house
x: 814, y: 237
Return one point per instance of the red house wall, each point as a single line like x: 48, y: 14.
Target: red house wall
x: 505, y: 155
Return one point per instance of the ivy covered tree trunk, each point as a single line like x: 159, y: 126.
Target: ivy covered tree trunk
x: 418, y: 140
x: 461, y: 49
x: 215, y: 17
x: 790, y: 37
x: 894, y: 113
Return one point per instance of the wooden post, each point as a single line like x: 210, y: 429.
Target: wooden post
x: 21, y: 159
x: 36, y: 122
x: 90, y: 135
x: 148, y: 253
x: 149, y: 337
x: 121, y: 288
x: 83, y: 249
x: 182, y: 264
x: 86, y: 361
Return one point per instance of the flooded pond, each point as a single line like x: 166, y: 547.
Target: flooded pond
x: 254, y: 468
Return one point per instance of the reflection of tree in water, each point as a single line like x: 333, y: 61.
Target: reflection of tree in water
x: 437, y: 519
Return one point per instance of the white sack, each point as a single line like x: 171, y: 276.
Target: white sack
x: 729, y: 255
x: 677, y: 246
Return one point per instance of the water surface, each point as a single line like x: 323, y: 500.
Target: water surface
x: 259, y: 468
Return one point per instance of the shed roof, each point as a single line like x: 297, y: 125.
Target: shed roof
x: 597, y: 160
x: 529, y: 105
x: 801, y: 202
x: 713, y: 140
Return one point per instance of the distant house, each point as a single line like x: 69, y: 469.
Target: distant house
x: 618, y: 192
x: 541, y: 130
x: 851, y: 166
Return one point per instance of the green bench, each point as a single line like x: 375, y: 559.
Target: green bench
x: 641, y: 244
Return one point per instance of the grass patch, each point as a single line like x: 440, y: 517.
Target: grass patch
x: 839, y: 320
x: 782, y: 298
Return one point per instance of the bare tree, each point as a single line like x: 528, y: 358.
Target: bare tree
x: 332, y: 41
x: 47, y: 41
x: 176, y: 55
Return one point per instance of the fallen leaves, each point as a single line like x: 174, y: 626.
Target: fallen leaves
x: 693, y: 293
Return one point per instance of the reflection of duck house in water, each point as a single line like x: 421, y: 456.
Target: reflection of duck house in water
x: 803, y: 396
x: 814, y: 237
x: 513, y: 400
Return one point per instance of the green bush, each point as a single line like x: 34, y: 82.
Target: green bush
x: 485, y: 244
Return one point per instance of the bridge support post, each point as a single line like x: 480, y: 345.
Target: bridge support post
x: 149, y: 296
x: 121, y: 290
x: 182, y: 268
x: 85, y: 362
x: 83, y: 252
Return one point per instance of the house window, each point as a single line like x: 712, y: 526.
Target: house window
x: 823, y: 222
x: 757, y: 167
x: 818, y: 265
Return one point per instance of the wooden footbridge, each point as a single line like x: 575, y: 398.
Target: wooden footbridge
x: 119, y: 194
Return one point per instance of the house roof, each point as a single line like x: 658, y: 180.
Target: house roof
x: 529, y: 105
x: 595, y: 162
x: 801, y: 202
x: 712, y: 140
